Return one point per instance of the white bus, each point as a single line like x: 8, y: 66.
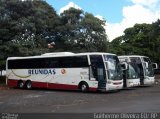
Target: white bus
x: 65, y: 70
x: 140, y: 70
x: 131, y: 77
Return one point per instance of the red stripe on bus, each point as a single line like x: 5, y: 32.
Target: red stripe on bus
x: 62, y: 86
x: 39, y: 84
x: 13, y: 83
x: 92, y: 89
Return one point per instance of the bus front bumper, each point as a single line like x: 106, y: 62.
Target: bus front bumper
x: 149, y: 80
x: 114, y: 85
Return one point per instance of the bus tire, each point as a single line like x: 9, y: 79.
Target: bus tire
x: 28, y: 85
x: 20, y: 84
x: 84, y: 87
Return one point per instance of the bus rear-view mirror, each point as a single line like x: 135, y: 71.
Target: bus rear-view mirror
x: 154, y: 65
x: 124, y: 66
x: 145, y: 64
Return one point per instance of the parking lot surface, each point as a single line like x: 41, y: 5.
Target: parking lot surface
x: 138, y: 99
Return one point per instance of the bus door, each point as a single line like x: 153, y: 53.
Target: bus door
x: 124, y: 65
x: 98, y: 70
x: 140, y: 69
x: 130, y: 73
x: 141, y: 73
x: 125, y: 77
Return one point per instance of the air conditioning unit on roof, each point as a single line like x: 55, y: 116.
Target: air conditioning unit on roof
x: 59, y: 53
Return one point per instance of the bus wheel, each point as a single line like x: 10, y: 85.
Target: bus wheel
x: 20, y: 84
x: 28, y: 85
x: 84, y: 87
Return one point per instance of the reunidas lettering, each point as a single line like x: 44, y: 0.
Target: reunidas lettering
x: 41, y: 71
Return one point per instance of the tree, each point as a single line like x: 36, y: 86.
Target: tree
x: 69, y: 30
x: 154, y: 36
x: 93, y: 33
x: 2, y: 66
x: 117, y: 46
x: 27, y: 26
x: 81, y: 32
x: 141, y: 39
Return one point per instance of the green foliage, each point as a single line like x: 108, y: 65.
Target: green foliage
x: 2, y: 81
x: 142, y: 39
x: 2, y: 66
x: 81, y: 32
x: 93, y: 34
x: 26, y: 27
x: 27, y: 22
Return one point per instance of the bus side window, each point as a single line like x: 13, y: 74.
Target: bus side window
x: 94, y: 70
x: 54, y: 63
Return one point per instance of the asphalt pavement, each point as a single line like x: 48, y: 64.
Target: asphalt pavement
x: 133, y: 100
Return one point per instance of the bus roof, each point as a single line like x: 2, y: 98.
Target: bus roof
x: 131, y: 56
x: 60, y: 54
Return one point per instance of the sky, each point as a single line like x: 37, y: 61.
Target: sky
x: 118, y: 14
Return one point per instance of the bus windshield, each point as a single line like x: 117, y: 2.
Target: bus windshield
x: 133, y: 71
x: 148, y: 71
x: 113, y: 67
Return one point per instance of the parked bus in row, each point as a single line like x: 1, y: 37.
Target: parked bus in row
x: 131, y: 77
x: 140, y: 70
x: 66, y: 70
